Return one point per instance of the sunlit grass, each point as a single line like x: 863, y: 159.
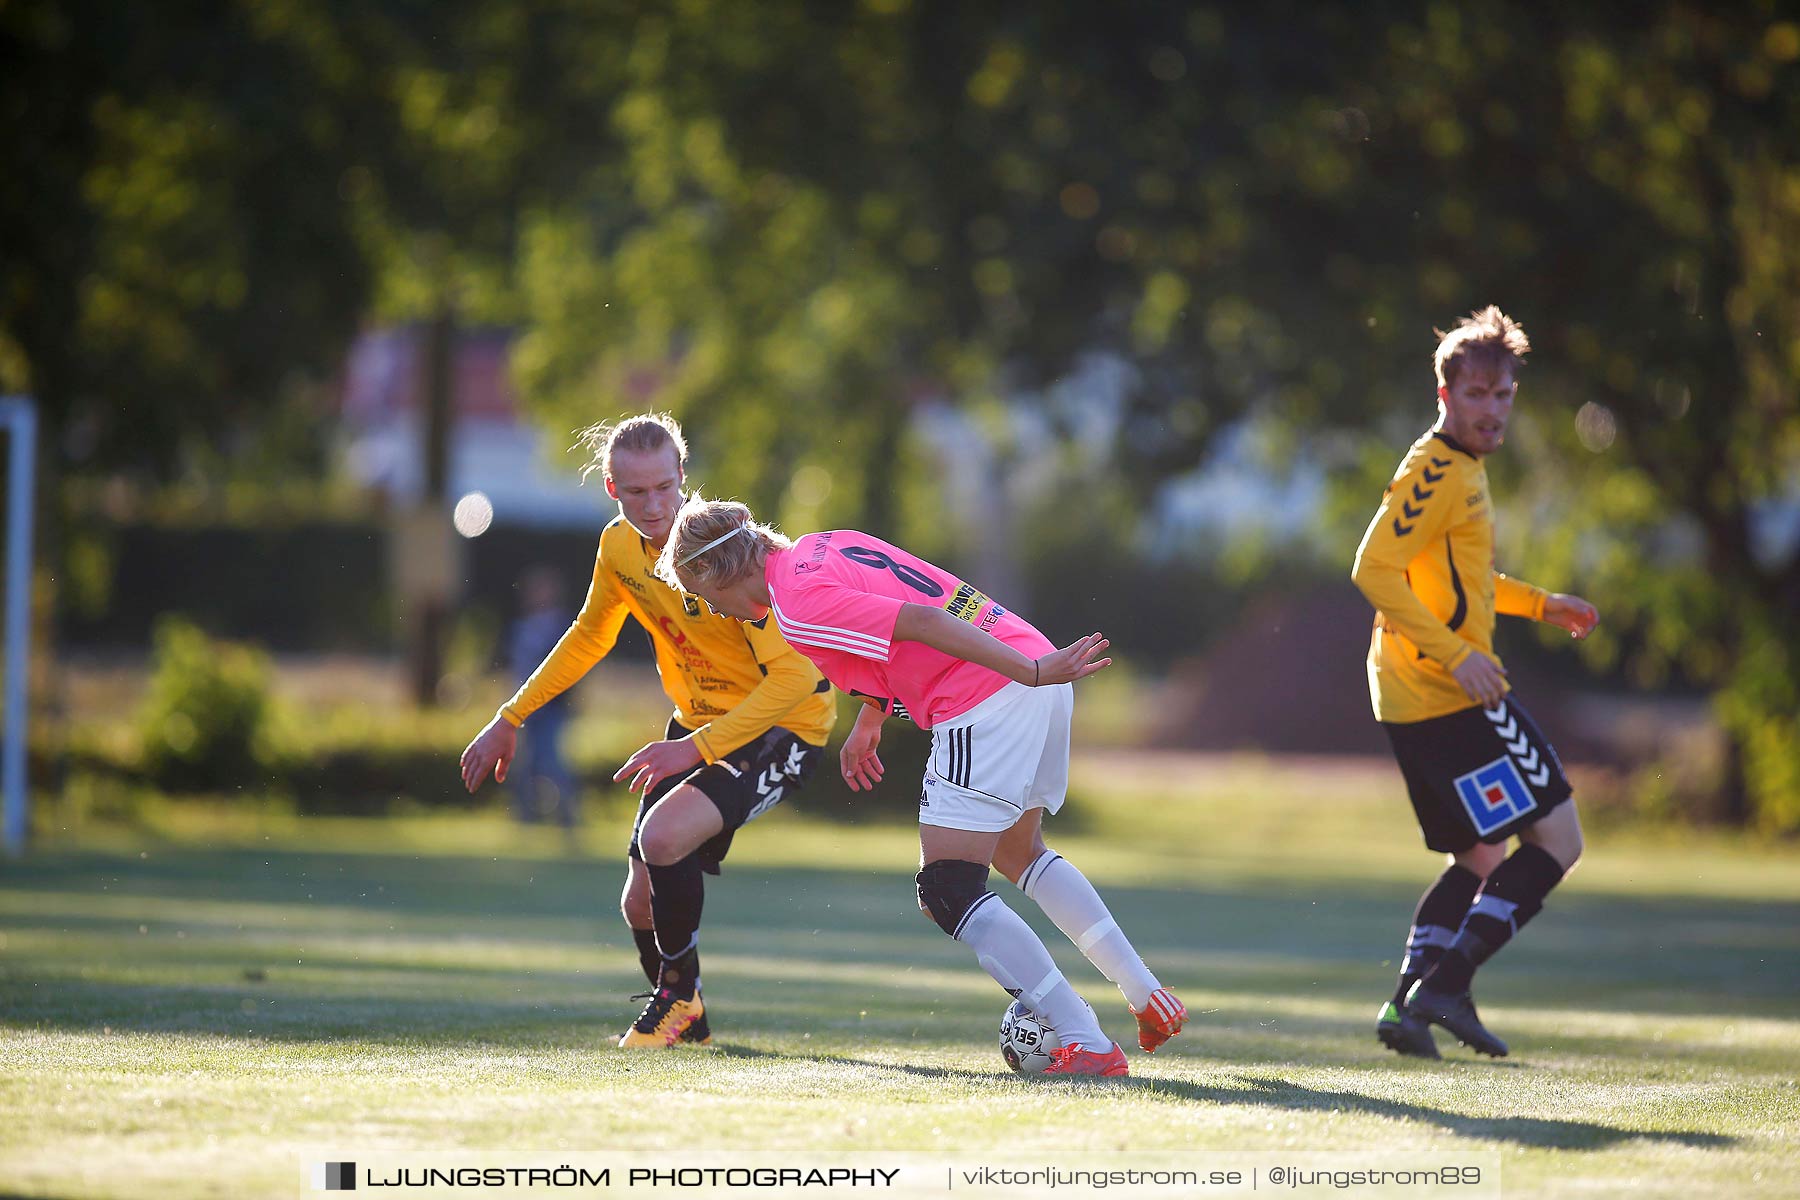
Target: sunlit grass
x: 194, y: 1008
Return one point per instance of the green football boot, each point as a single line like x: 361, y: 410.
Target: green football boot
x: 1405, y: 1032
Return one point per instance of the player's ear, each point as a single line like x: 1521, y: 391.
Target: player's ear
x: 1443, y: 398
x: 612, y: 489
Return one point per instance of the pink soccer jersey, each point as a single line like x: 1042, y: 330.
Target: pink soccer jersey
x: 836, y: 596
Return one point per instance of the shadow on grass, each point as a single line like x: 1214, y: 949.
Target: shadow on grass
x: 477, y: 1026
x: 1543, y: 1132
x: 1546, y: 1132
x: 1312, y: 938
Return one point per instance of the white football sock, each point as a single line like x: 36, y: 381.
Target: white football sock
x: 1067, y: 898
x: 1012, y: 953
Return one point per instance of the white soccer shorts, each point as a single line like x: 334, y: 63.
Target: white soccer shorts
x: 1005, y: 756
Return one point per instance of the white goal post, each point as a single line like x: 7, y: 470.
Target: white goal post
x: 18, y: 417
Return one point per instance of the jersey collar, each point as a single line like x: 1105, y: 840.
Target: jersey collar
x: 773, y: 560
x: 1451, y: 442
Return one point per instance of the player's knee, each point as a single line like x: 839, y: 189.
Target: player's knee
x: 1480, y: 859
x: 661, y: 847
x: 1559, y: 836
x: 1565, y: 846
x: 1012, y: 862
x: 949, y: 889
x: 1572, y: 849
x: 1010, y: 865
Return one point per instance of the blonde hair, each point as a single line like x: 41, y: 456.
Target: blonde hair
x: 715, y: 543
x: 644, y: 432
x: 1486, y: 338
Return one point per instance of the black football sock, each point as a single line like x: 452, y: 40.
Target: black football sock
x: 681, y: 972
x: 649, y: 957
x: 677, y: 893
x: 1435, y: 922
x: 1514, y: 894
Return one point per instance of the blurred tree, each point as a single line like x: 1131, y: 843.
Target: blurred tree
x: 176, y: 243
x: 203, y: 198
x: 173, y: 249
x: 787, y: 220
x: 1261, y: 209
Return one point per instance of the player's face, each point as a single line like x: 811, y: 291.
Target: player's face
x: 1477, y: 407
x: 746, y: 600
x: 647, y: 485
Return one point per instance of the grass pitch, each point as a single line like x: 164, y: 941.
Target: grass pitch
x: 190, y: 1012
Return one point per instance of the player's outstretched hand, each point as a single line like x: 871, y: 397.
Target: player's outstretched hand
x: 1072, y: 662
x: 492, y: 750
x: 656, y: 762
x: 1572, y: 613
x: 857, y: 760
x: 1481, y: 677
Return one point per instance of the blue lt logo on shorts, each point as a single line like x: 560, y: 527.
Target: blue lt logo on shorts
x: 1494, y: 795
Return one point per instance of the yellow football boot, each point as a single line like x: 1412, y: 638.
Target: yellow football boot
x: 664, y: 1020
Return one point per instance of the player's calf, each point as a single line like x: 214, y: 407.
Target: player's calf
x: 954, y: 893
x: 1070, y: 900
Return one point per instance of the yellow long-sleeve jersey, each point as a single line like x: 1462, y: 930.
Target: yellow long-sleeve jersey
x: 730, y: 681
x: 1427, y: 565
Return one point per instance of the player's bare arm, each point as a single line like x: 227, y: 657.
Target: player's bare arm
x: 657, y: 761
x: 1571, y: 613
x: 491, y: 751
x: 941, y: 631
x: 858, y: 761
x: 1074, y: 661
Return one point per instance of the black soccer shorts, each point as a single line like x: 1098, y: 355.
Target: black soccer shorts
x: 1478, y: 775
x: 743, y: 786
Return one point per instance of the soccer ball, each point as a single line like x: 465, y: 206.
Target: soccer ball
x: 1026, y: 1040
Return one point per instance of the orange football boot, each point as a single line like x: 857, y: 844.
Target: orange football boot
x: 1161, y: 1019
x: 1076, y: 1059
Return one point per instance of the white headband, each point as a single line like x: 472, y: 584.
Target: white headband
x: 685, y: 559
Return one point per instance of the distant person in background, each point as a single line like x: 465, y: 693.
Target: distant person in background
x: 1476, y: 766
x: 542, y: 785
x: 751, y: 720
